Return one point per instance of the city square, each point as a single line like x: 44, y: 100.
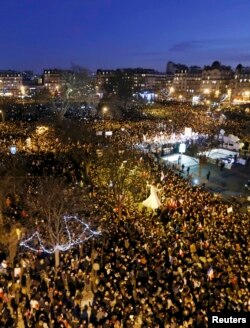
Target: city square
x: 148, y: 253
x: 124, y: 191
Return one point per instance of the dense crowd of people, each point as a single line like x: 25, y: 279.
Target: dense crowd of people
x: 163, y: 268
x: 167, y: 269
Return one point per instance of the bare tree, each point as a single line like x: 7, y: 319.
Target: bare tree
x: 78, y: 86
x: 57, y: 228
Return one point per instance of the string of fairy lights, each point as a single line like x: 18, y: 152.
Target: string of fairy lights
x: 42, y: 243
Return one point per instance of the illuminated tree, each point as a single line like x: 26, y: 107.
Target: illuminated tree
x: 122, y: 174
x: 57, y: 229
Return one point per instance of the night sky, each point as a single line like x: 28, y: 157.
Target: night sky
x: 38, y: 34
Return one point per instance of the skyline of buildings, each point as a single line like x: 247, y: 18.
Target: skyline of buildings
x: 180, y: 65
x: 179, y: 81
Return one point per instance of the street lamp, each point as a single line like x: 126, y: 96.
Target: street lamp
x: 247, y: 94
x: 172, y: 128
x: 13, y: 150
x: 208, y: 102
x: 2, y: 115
x: 171, y: 90
x: 104, y: 110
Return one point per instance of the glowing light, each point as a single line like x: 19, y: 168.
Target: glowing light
x: 22, y: 89
x: 41, y: 129
x: 195, y: 100
x: 171, y: 90
x: 72, y: 238
x: 182, y: 148
x: 210, y: 273
x: 13, y: 150
x: 217, y: 92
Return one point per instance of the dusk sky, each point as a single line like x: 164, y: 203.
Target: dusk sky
x: 38, y: 34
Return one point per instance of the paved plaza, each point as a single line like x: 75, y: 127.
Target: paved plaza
x: 229, y: 183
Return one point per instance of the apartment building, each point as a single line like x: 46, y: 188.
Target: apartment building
x: 11, y: 83
x: 55, y: 79
x: 241, y: 89
x: 138, y: 79
x: 217, y: 80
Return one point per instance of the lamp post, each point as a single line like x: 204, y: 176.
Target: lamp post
x: 104, y: 110
x: 2, y: 115
x: 172, y: 128
x: 13, y: 150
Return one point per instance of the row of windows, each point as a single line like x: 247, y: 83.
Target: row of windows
x: 51, y: 81
x: 10, y: 75
x: 11, y: 79
x: 16, y: 85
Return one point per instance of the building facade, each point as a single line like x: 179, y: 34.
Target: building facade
x: 211, y: 82
x: 55, y: 79
x: 217, y: 80
x: 11, y: 84
x: 241, y: 90
x: 137, y: 79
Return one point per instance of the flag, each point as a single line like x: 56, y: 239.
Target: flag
x: 210, y: 273
x: 230, y: 209
x: 181, y: 252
